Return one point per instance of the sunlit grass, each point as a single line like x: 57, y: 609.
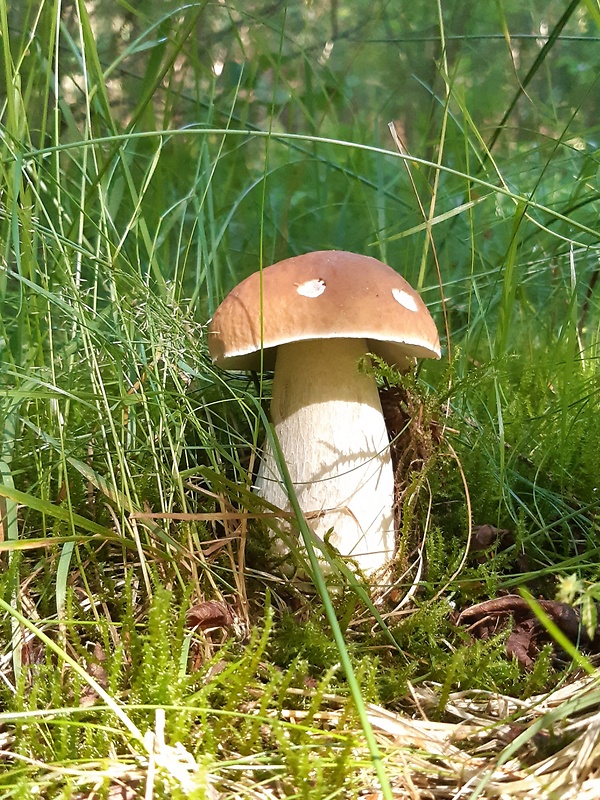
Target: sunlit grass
x: 139, y: 184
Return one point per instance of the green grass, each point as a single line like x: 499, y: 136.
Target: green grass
x: 150, y: 159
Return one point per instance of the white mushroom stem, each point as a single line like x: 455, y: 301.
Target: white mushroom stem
x: 330, y: 425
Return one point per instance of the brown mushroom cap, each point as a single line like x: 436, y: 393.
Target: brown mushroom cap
x: 328, y: 294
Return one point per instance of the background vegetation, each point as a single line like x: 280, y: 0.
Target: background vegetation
x: 152, y: 157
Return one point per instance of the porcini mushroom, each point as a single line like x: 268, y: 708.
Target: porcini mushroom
x: 313, y: 318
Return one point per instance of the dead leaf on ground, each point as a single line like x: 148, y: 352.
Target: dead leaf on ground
x: 485, y: 536
x: 528, y: 636
x: 210, y: 614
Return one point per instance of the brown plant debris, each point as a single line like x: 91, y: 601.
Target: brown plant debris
x: 413, y: 438
x: 528, y: 634
x: 210, y: 614
x: 486, y: 536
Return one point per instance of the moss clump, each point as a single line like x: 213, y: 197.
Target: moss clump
x: 307, y: 639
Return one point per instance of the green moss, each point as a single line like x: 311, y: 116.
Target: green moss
x: 305, y: 639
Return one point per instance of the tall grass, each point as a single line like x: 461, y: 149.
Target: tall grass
x: 149, y: 161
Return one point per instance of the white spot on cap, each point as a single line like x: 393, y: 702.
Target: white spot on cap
x: 312, y: 288
x: 405, y: 299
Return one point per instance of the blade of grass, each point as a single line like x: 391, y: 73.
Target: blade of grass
x: 509, y: 285
x: 285, y: 137
x: 307, y: 538
x: 117, y: 710
x: 541, y: 57
x: 54, y: 511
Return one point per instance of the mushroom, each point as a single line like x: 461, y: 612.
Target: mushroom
x: 312, y: 318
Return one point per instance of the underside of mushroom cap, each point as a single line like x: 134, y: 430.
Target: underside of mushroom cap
x: 321, y: 295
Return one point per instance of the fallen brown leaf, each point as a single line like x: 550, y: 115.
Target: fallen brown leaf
x: 210, y: 614
x: 528, y: 635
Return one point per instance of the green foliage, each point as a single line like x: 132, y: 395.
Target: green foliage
x: 152, y: 157
x: 521, y: 465
x: 308, y: 640
x: 223, y: 707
